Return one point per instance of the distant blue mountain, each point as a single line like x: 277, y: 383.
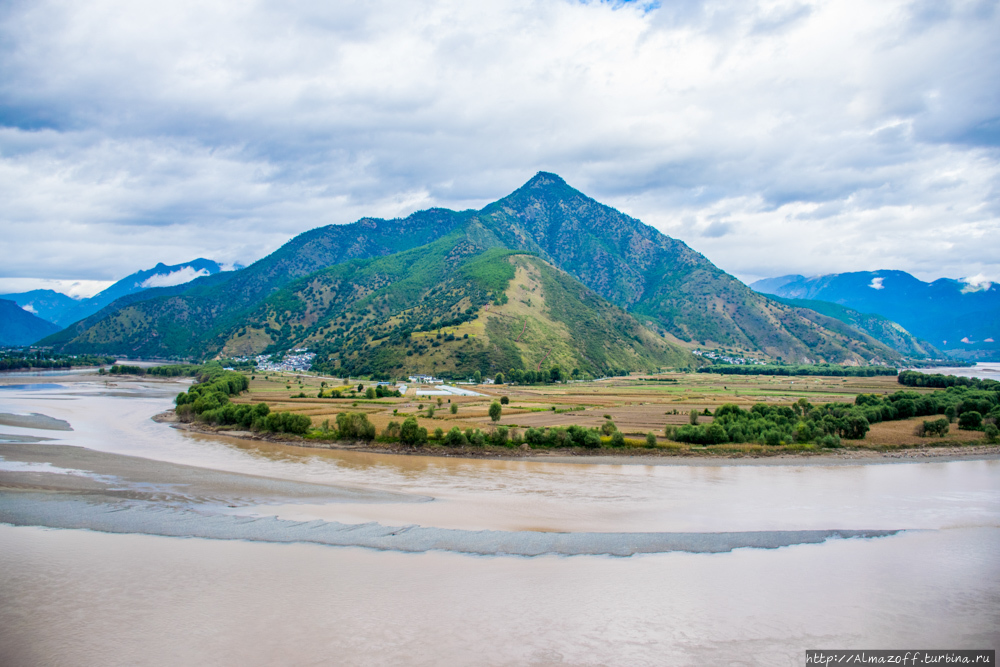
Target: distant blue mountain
x: 960, y: 318
x: 64, y: 310
x: 19, y: 327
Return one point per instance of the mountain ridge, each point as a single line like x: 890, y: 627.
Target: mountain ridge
x: 19, y: 327
x: 64, y: 310
x: 669, y: 288
x: 959, y: 317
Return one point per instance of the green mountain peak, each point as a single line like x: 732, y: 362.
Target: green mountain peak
x: 604, y: 270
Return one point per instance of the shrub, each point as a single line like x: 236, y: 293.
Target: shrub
x: 617, y: 439
x: 772, y: 438
x: 439, y: 434
x: 991, y: 433
x: 392, y: 430
x: 693, y: 417
x: 608, y: 428
x: 478, y: 438
x: 938, y: 427
x: 355, y: 426
x: 830, y: 441
x: 456, y: 438
x: 504, y: 400
x: 651, y: 439
x: 499, y: 436
x: 454, y: 408
x: 495, y: 411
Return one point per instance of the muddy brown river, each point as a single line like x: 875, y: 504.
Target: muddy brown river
x: 124, y: 541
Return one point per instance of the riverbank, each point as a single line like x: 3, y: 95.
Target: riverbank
x: 673, y: 455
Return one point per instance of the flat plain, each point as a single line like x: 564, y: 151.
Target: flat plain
x: 638, y: 405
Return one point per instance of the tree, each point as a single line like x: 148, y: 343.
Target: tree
x: 504, y: 400
x: 454, y: 408
x: 456, y: 438
x: 361, y: 388
x: 693, y: 417
x: 608, y: 428
x: 495, y: 411
x: 499, y: 437
x: 498, y: 379
x: 651, y: 439
x: 411, y: 433
x: 970, y: 421
x: 370, y: 392
x: 555, y: 373
x: 617, y: 439
x: 991, y: 433
x: 477, y: 377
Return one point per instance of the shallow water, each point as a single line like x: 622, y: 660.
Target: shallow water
x: 532, y: 495
x: 78, y: 597
x: 81, y: 598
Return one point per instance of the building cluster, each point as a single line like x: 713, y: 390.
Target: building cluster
x: 424, y: 379
x: 726, y: 358
x: 295, y: 362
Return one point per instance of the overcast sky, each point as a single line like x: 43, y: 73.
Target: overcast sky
x: 774, y: 137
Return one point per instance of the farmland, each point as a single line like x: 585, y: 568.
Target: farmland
x: 637, y: 405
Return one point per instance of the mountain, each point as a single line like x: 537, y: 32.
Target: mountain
x: 962, y: 319
x: 19, y: 327
x: 666, y: 288
x: 662, y: 281
x: 64, y: 310
x: 880, y: 328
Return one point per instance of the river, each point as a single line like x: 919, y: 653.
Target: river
x: 120, y: 592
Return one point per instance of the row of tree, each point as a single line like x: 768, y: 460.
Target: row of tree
x: 939, y: 381
x: 805, y: 369
x: 825, y: 424
x: 26, y: 360
x: 209, y: 401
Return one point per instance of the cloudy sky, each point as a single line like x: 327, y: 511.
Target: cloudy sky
x: 775, y: 137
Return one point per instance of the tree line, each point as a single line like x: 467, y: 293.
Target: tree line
x: 25, y: 360
x: 804, y: 369
x: 208, y: 401
x: 825, y: 424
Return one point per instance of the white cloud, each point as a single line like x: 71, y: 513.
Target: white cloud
x: 178, y: 277
x: 31, y: 309
x: 876, y: 283
x: 977, y: 283
x: 77, y: 289
x: 775, y: 137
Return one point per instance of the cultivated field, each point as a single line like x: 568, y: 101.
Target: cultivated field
x: 637, y: 405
